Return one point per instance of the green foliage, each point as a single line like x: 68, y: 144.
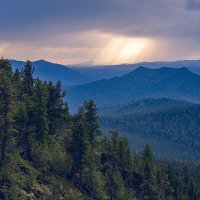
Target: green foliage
x: 46, y: 153
x: 40, y: 111
x: 170, y: 127
x: 148, y: 186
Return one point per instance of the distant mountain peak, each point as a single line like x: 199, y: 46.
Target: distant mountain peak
x: 141, y: 68
x: 42, y: 60
x: 184, y: 69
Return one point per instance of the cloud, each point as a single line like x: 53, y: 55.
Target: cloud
x: 193, y: 4
x: 132, y: 17
x: 82, y: 25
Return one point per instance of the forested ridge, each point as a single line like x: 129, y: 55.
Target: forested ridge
x: 47, y: 153
x: 175, y: 121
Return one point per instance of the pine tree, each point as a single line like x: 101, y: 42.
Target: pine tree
x: 6, y: 108
x: 125, y: 163
x: 85, y: 163
x: 148, y: 186
x: 115, y: 149
x: 89, y: 167
x: 5, y: 67
x: 28, y: 127
x: 79, y: 143
x: 17, y: 86
x: 115, y: 184
x: 118, y: 186
x: 40, y: 111
x: 91, y: 118
x: 28, y: 80
x: 57, y: 110
x: 92, y: 179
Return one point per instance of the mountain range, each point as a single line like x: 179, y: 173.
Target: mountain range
x: 108, y: 71
x: 80, y: 74
x: 179, y: 84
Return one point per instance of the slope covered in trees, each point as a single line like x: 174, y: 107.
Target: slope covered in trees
x: 47, y: 153
x: 171, y: 127
x: 142, y: 106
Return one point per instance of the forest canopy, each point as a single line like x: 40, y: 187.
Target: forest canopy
x: 48, y: 153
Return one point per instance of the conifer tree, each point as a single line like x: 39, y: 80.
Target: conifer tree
x: 85, y: 158
x: 79, y: 143
x: 88, y: 170
x: 5, y: 66
x: 28, y: 126
x: 148, y: 186
x: 57, y: 110
x: 6, y: 108
x: 118, y: 186
x: 17, y: 86
x: 28, y: 80
x: 40, y: 111
x: 91, y: 118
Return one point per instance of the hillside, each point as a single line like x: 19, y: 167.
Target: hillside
x: 180, y: 84
x: 170, y: 127
x: 54, y: 72
x: 142, y: 106
x: 47, y: 153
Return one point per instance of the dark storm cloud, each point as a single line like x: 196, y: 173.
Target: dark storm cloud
x: 193, y: 4
x: 59, y: 30
x: 41, y: 18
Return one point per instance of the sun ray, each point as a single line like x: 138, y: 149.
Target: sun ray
x: 124, y: 49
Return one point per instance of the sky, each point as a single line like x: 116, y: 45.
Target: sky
x: 100, y: 31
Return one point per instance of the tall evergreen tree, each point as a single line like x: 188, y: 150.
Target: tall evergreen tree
x: 26, y: 118
x: 28, y: 80
x: 91, y: 118
x: 57, y: 110
x: 79, y: 143
x: 17, y: 86
x: 148, y: 186
x: 40, y: 111
x: 6, y: 108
